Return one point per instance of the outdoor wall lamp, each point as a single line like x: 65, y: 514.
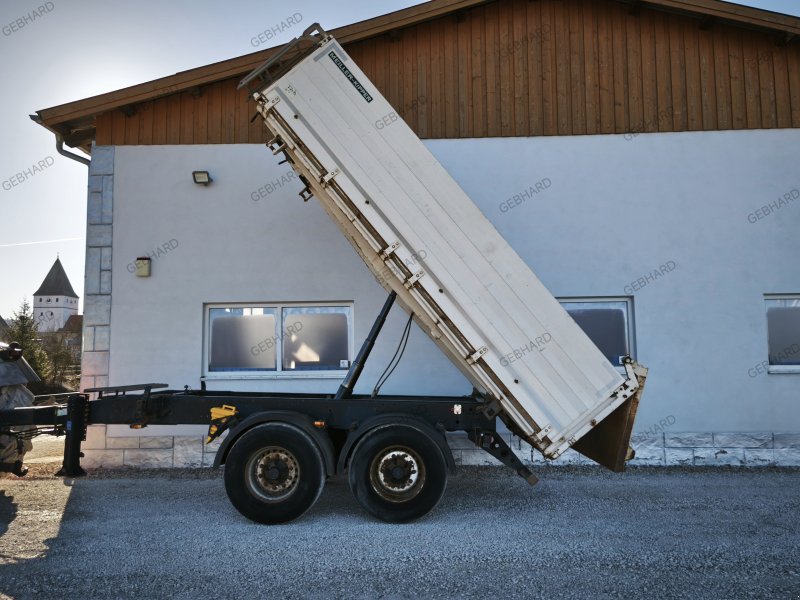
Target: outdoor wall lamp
x: 142, y: 266
x: 201, y: 177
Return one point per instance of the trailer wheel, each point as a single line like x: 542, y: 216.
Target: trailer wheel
x: 274, y: 473
x: 398, y: 474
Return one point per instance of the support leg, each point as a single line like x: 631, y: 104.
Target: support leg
x: 495, y: 445
x: 77, y: 409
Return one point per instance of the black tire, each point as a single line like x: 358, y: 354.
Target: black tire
x: 274, y: 473
x: 398, y: 473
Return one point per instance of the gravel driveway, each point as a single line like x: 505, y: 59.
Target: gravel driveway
x: 581, y: 533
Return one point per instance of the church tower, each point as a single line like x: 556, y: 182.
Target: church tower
x: 55, y: 301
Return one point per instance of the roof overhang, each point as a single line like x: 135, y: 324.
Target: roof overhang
x: 75, y: 121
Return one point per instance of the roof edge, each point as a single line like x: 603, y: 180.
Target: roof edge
x: 55, y: 118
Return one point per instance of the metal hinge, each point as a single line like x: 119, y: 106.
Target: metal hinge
x: 276, y: 145
x: 265, y: 100
x: 389, y: 250
x: 543, y: 433
x: 413, y: 279
x: 474, y: 357
x: 328, y: 176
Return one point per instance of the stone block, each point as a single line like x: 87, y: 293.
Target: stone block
x: 459, y: 441
x: 94, y: 258
x: 759, y: 457
x: 688, y: 440
x: 155, y: 442
x: 122, y: 443
x: 94, y: 209
x: 105, y: 258
x: 97, y: 459
x: 105, y: 282
x: 718, y: 457
x: 478, y: 457
x: 102, y: 160
x: 97, y: 310
x: 787, y: 457
x: 648, y: 456
x: 98, y: 235
x: 92, y: 276
x: 87, y: 381
x: 647, y: 442
x: 679, y: 457
x: 526, y: 452
x: 88, y: 340
x: 95, y: 438
x: 538, y: 459
x: 148, y: 458
x: 729, y: 456
x: 102, y: 338
x: 743, y: 440
x: 94, y: 363
x: 188, y: 451
x: 210, y: 450
x: 571, y: 457
x: 787, y: 440
x: 210, y: 457
x: 95, y: 183
x: 107, y: 199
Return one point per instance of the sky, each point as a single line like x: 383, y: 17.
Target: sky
x: 81, y: 48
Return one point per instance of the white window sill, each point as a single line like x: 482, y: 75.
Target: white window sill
x: 783, y: 369
x: 272, y: 376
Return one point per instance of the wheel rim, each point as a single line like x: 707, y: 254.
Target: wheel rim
x: 272, y: 474
x: 397, y: 474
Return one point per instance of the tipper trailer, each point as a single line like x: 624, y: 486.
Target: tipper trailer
x: 436, y: 255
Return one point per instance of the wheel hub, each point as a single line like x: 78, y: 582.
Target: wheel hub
x: 273, y: 473
x: 397, y: 474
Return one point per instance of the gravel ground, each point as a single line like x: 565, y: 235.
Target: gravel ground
x: 580, y: 533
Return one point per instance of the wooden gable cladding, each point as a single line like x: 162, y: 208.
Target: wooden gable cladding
x: 214, y: 114
x: 527, y: 68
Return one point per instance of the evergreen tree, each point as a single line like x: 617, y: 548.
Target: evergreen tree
x: 22, y: 329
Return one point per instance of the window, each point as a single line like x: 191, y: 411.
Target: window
x: 278, y: 340
x: 783, y: 333
x: 318, y: 338
x: 607, y: 322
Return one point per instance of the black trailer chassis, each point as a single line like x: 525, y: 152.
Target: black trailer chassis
x: 281, y: 448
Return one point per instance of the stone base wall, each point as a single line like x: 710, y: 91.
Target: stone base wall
x: 663, y: 449
x: 101, y: 451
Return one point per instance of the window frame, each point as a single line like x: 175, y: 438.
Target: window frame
x: 278, y: 373
x: 630, y: 319
x: 778, y: 369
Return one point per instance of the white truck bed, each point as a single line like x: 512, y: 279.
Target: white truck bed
x: 423, y: 237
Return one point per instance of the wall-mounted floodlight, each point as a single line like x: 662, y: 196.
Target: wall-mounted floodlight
x: 201, y: 177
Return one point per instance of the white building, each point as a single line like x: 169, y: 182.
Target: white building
x: 642, y: 160
x: 55, y: 301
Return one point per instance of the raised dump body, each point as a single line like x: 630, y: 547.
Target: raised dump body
x: 424, y: 238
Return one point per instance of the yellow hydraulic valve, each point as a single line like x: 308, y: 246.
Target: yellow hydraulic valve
x: 220, y: 417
